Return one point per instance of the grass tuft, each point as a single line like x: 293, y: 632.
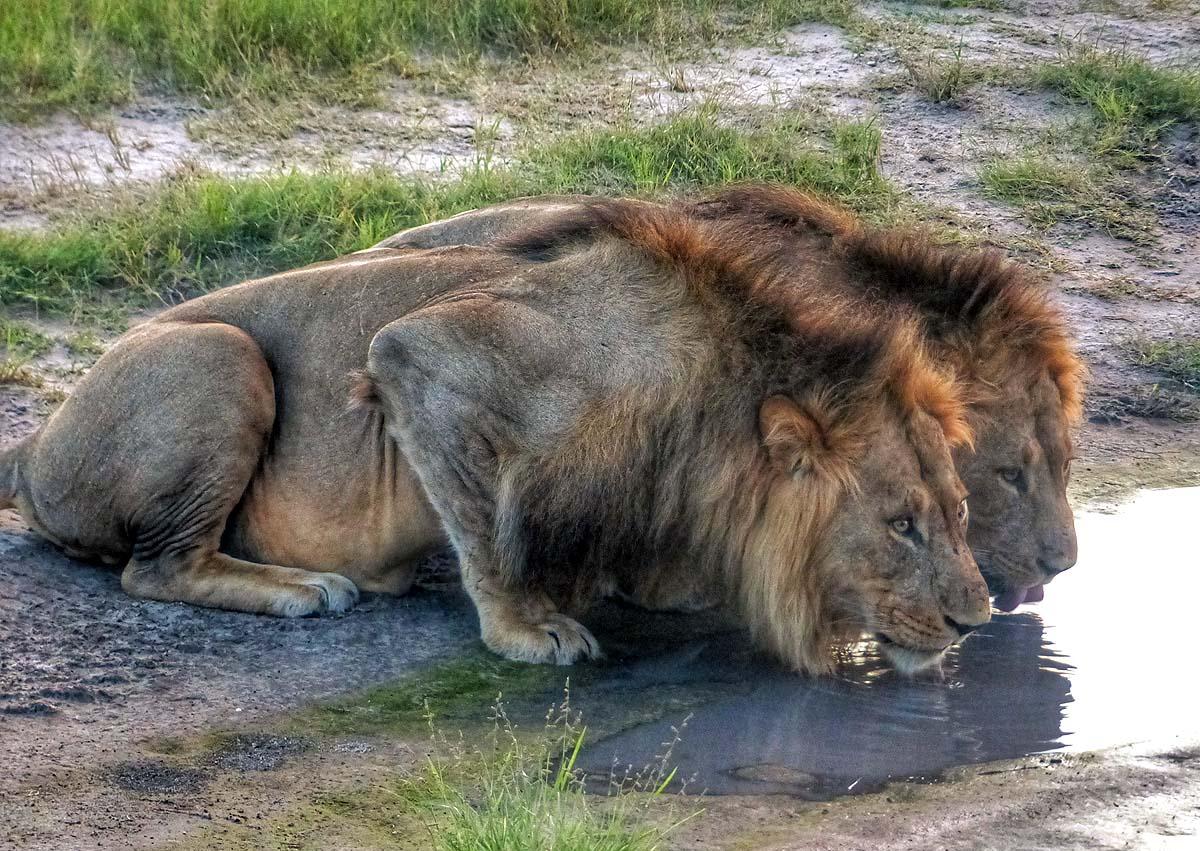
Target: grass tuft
x: 941, y: 78
x: 1177, y: 359
x: 514, y: 794
x: 696, y: 150
x: 1133, y: 101
x: 16, y: 372
x: 1050, y: 190
x: 21, y: 340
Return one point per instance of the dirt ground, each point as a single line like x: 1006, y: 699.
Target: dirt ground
x: 91, y: 680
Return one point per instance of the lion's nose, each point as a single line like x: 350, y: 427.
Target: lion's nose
x: 1059, y: 549
x: 962, y: 628
x: 1053, y: 566
x: 1058, y: 555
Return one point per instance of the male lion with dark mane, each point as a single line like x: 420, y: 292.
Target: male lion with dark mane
x: 989, y: 320
x: 660, y: 414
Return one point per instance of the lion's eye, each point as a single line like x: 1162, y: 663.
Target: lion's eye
x: 902, y: 525
x: 963, y: 512
x: 1012, y: 475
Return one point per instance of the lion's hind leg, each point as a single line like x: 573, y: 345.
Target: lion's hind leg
x: 152, y: 454
x: 219, y: 426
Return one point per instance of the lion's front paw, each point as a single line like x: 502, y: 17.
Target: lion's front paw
x: 316, y: 594
x: 338, y: 594
x: 556, y: 640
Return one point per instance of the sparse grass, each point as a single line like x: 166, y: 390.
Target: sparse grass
x: 199, y: 232
x: 82, y: 53
x: 14, y: 371
x: 990, y: 5
x: 941, y: 77
x: 20, y: 343
x: 1177, y: 359
x: 84, y: 344
x: 1051, y: 190
x: 502, y: 787
x: 21, y: 340
x: 1145, y: 402
x: 516, y: 795
x: 1133, y: 101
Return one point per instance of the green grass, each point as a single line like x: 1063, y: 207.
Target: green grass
x: 19, y: 344
x: 1177, y: 359
x: 695, y: 150
x: 21, y: 340
x: 520, y: 795
x: 500, y: 788
x: 1133, y: 101
x: 199, y: 232
x: 82, y: 53
x: 1050, y: 190
x: 941, y: 77
x: 84, y: 344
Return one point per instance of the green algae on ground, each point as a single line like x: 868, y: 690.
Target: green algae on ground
x: 457, y: 690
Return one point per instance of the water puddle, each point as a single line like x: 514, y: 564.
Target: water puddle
x: 1104, y: 661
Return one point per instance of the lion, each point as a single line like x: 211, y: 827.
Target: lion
x: 652, y: 413
x: 987, y: 319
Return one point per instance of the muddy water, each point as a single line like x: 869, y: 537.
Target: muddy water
x: 1105, y: 660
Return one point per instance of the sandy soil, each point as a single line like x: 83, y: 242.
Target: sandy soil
x: 89, y: 678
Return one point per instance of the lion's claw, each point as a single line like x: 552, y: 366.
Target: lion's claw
x: 558, y: 640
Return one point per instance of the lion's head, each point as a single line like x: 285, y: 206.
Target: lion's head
x: 994, y: 325
x: 1023, y: 531
x: 883, y: 539
x: 801, y: 458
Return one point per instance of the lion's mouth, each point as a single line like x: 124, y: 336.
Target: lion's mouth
x: 1007, y: 601
x: 907, y: 660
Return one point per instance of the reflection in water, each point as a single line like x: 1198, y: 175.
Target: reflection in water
x: 1097, y: 664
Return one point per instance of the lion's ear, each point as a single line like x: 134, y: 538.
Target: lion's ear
x: 794, y: 440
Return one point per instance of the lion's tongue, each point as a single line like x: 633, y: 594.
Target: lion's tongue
x: 1009, y: 600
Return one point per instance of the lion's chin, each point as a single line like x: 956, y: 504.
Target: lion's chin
x: 908, y: 661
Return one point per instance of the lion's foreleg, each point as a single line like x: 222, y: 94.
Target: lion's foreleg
x: 441, y: 396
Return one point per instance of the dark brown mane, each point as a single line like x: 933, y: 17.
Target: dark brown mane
x: 993, y: 312
x: 752, y: 268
